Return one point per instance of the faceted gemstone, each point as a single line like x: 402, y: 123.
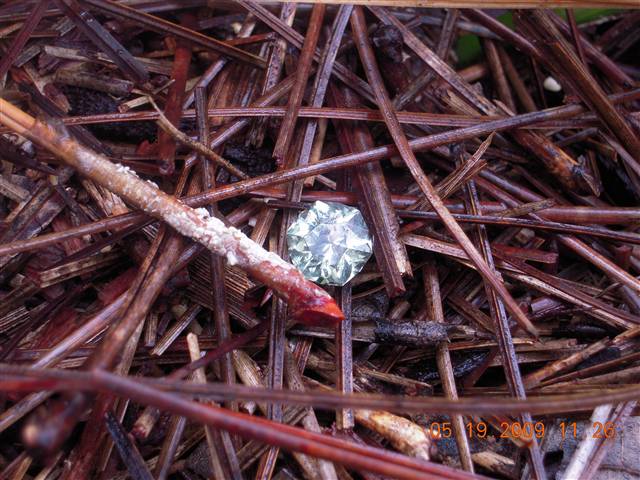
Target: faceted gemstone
x: 329, y: 243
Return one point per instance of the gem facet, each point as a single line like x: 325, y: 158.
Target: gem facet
x: 329, y: 243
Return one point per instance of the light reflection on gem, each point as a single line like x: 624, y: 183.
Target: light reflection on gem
x: 329, y: 243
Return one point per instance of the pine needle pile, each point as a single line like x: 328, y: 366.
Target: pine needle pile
x: 153, y: 156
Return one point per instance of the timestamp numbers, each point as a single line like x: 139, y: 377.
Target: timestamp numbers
x: 598, y: 430
x: 526, y: 431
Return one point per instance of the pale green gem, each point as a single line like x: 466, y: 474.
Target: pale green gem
x: 329, y: 243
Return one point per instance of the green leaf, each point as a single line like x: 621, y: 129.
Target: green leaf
x: 468, y: 48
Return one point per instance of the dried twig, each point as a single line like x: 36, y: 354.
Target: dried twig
x: 307, y: 302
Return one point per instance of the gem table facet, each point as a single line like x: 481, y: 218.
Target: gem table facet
x: 329, y: 243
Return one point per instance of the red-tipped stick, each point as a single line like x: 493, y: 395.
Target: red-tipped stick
x: 308, y: 303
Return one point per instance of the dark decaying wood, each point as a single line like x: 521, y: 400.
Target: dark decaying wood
x: 153, y: 156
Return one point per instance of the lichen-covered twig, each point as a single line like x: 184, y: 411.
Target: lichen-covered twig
x: 307, y: 302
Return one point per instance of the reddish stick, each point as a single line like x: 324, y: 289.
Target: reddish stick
x: 308, y: 303
x: 291, y: 438
x: 302, y: 74
x: 173, y: 106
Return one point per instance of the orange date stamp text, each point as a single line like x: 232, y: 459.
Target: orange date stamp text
x: 526, y: 431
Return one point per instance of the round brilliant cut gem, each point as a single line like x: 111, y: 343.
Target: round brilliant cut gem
x: 329, y: 243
